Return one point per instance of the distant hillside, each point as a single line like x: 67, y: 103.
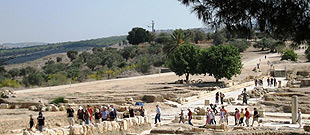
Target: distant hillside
x: 20, y: 45
x: 21, y: 55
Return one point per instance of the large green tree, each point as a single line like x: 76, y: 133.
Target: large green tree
x: 265, y: 43
x: 222, y: 61
x: 178, y: 37
x: 138, y: 35
x: 285, y: 19
x: 72, y: 54
x: 184, y: 60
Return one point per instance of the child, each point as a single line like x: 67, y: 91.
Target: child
x: 31, y: 122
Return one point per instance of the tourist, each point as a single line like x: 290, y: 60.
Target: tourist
x: 212, y: 117
x: 86, y: 117
x: 142, y: 111
x: 217, y: 95
x: 207, y: 115
x: 299, y: 118
x: 213, y: 107
x: 80, y: 115
x: 268, y: 81
x: 222, y: 97
x: 247, y: 117
x: 131, y: 112
x: 41, y: 120
x: 237, y: 117
x: 226, y: 114
x: 241, y: 117
x: 90, y: 111
x: 222, y: 116
x: 190, y: 116
x: 181, y: 117
x: 275, y: 82
x: 265, y: 57
x: 158, y: 113
x: 114, y: 110
x: 97, y: 115
x: 255, y: 81
x: 255, y: 117
x: 70, y: 115
x: 261, y: 82
x: 31, y: 122
x: 105, y: 114
x: 126, y: 113
x: 112, y: 115
x: 244, y: 95
x: 271, y: 81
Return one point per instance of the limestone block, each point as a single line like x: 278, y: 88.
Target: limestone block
x: 135, y: 121
x: 115, y: 126
x: 202, y: 111
x: 307, y: 128
x: 62, y: 108
x: 146, y: 120
x: 123, y: 124
x: 198, y: 130
x: 76, y: 130
x: 140, y: 120
x: 98, y: 128
x: 55, y: 108
x: 158, y: 124
x: 207, y: 102
x: 305, y: 82
x: 109, y: 126
x: 4, y: 106
x: 26, y: 132
x: 105, y: 126
x: 32, y: 108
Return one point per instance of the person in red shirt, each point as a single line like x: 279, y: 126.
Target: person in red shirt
x: 247, y: 117
x: 90, y: 111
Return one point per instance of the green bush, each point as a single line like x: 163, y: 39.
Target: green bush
x: 58, y: 100
x: 9, y: 83
x: 289, y: 55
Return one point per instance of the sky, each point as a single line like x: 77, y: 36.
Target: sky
x: 54, y: 21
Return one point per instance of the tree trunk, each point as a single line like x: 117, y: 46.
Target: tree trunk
x: 187, y: 78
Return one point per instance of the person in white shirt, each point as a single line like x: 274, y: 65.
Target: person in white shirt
x: 158, y: 113
x: 299, y: 118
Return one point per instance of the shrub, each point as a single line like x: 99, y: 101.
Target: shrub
x: 9, y: 83
x: 289, y: 55
x: 58, y: 100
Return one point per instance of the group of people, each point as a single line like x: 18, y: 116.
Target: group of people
x: 219, y: 97
x: 270, y: 82
x: 40, y: 122
x: 105, y: 113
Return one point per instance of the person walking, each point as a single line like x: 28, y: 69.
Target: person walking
x: 244, y: 95
x: 268, y: 81
x: 105, y: 114
x: 207, y: 115
x: 237, y: 117
x: 114, y: 110
x: 255, y: 81
x: 41, y: 121
x: 190, y: 116
x: 222, y: 116
x: 70, y: 115
x: 212, y: 117
x: 275, y: 82
x: 226, y: 114
x: 217, y: 95
x: 158, y: 113
x: 181, y: 117
x: 255, y: 117
x: 299, y: 118
x: 241, y: 117
x: 31, y: 121
x: 247, y: 117
x: 126, y: 113
x: 271, y: 82
x: 112, y: 115
x: 222, y: 97
x: 80, y: 115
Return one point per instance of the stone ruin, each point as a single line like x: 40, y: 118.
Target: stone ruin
x: 7, y: 94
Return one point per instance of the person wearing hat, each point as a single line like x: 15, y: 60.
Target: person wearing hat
x: 126, y: 113
x: 41, y: 120
x: 97, y: 115
x: 112, y: 115
x: 80, y: 115
x: 70, y: 115
x: 105, y: 114
x: 31, y: 122
x: 211, y: 117
x: 182, y: 117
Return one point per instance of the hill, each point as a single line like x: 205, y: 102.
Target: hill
x: 21, y: 55
x: 20, y: 45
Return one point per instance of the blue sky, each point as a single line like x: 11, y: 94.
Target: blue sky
x: 71, y: 20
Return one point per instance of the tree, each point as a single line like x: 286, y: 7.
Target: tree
x: 129, y: 52
x: 242, y: 45
x: 59, y: 59
x: 26, y: 71
x: 37, y: 78
x: 178, y: 37
x: 162, y: 38
x: 72, y: 54
x: 143, y: 64
x: 289, y: 55
x: 138, y: 35
x: 285, y: 19
x: 222, y: 61
x: 219, y: 38
x: 85, y: 56
x: 264, y: 43
x: 97, y: 50
x: 184, y: 60
x: 14, y: 72
x: 93, y: 62
x: 196, y: 35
